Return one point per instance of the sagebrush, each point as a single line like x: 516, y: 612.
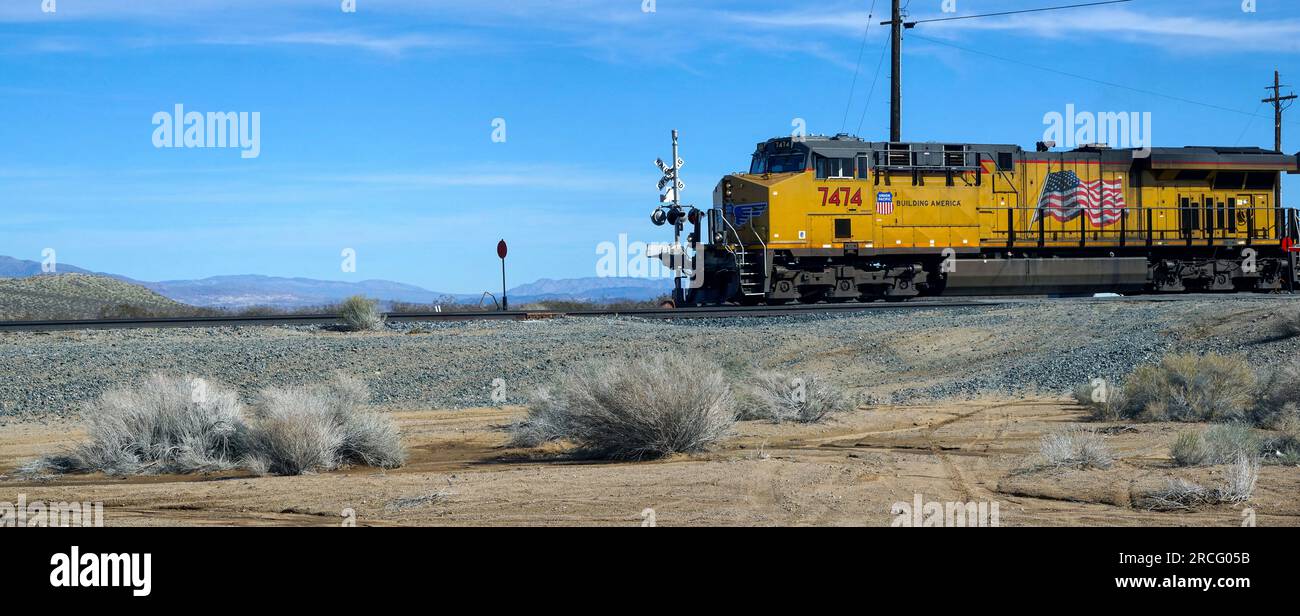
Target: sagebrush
x: 1191, y: 388
x: 1104, y: 401
x: 1278, y: 397
x: 1078, y: 448
x: 1286, y: 325
x: 1237, y: 486
x: 778, y: 398
x: 169, y: 424
x: 360, y: 314
x: 164, y: 424
x: 322, y: 427
x: 642, y: 408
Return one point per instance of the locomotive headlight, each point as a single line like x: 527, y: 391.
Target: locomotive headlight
x: 727, y: 190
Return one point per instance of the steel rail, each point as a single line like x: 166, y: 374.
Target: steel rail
x: 708, y: 312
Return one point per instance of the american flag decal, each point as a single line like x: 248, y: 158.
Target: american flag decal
x: 1065, y: 196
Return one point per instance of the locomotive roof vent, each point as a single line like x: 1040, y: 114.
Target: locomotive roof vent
x: 1092, y: 147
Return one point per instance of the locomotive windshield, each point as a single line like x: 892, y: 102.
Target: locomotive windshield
x: 783, y: 163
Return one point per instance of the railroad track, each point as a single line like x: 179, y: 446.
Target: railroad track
x: 711, y: 312
x: 708, y: 312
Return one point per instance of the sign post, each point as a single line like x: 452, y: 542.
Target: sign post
x: 501, y: 253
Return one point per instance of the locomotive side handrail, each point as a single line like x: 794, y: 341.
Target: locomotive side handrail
x: 1245, y: 220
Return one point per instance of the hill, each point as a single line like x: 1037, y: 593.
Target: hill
x: 80, y: 296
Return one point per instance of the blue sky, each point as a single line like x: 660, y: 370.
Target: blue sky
x: 376, y: 126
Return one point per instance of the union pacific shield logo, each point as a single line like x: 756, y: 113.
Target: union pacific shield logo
x: 884, y: 203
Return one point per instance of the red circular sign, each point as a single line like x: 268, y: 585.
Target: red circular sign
x: 501, y: 249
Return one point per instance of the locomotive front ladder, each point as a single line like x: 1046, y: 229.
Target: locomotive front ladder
x: 751, y: 273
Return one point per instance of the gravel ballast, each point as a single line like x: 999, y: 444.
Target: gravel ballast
x: 896, y: 356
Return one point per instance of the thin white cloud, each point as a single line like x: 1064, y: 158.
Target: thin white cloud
x: 1184, y: 33
x: 394, y: 45
x: 619, y: 31
x: 1180, y: 31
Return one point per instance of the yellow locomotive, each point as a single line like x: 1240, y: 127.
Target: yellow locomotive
x: 842, y: 219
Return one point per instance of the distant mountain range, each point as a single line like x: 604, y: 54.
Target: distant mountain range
x: 17, y: 268
x: 244, y: 291
x: 249, y: 290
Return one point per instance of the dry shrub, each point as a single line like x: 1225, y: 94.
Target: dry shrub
x: 1238, y: 485
x: 543, y: 424
x: 1190, y: 449
x: 645, y: 408
x: 1286, y: 325
x: 777, y: 398
x: 1283, y: 446
x: 1104, y: 401
x: 360, y: 314
x: 320, y: 428
x: 1224, y: 442
x: 1279, y: 395
x: 1218, y: 444
x: 168, y: 424
x: 1191, y: 388
x: 164, y: 424
x: 1076, y: 448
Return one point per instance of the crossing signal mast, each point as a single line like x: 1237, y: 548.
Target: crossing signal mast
x: 672, y: 212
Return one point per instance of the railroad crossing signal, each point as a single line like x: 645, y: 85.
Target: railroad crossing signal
x: 670, y: 212
x: 670, y: 183
x: 671, y: 187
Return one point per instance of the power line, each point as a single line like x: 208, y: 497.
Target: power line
x: 1086, y: 78
x: 1248, y: 125
x: 879, y: 63
x: 853, y: 89
x: 1050, y: 8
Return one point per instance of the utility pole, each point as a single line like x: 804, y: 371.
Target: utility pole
x: 1278, y: 108
x: 1278, y: 101
x: 896, y: 75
